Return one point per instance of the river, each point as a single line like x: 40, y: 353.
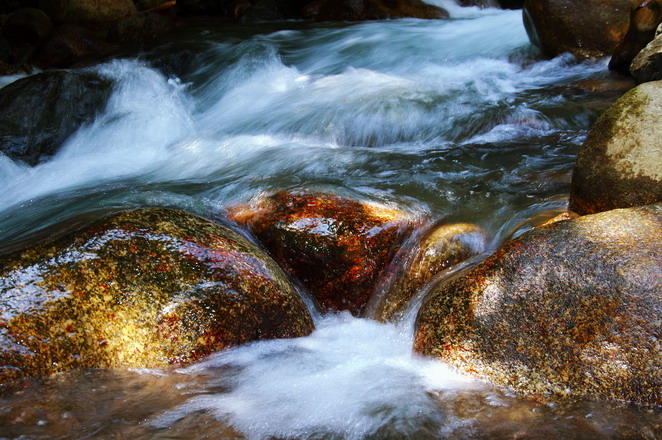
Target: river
x: 460, y: 118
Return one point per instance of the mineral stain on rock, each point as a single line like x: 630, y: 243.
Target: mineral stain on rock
x: 146, y: 288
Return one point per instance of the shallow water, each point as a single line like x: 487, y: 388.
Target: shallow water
x: 458, y: 119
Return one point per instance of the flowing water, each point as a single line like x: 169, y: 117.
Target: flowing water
x: 459, y: 119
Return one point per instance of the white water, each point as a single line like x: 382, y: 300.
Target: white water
x: 456, y: 118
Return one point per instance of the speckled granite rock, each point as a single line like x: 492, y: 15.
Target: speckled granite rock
x: 146, y: 288
x: 439, y: 249
x: 619, y: 164
x: 585, y: 28
x: 571, y: 309
x: 336, y: 247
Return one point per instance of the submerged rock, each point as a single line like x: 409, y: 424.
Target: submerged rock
x: 336, y: 247
x: 147, y: 288
x: 359, y: 10
x: 645, y: 16
x: 438, y: 250
x: 585, y: 28
x: 571, y: 309
x: 41, y: 111
x: 619, y: 164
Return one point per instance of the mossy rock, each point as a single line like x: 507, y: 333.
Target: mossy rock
x: 619, y: 164
x: 568, y: 310
x: 440, y: 248
x: 335, y: 246
x: 147, y: 288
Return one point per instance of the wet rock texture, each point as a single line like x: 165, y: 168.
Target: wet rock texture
x: 146, y: 288
x: 585, y: 28
x: 619, y: 164
x: 335, y: 246
x: 571, y: 309
x: 358, y: 10
x: 439, y: 249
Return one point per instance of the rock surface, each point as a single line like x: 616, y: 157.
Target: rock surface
x: 647, y: 65
x: 571, y: 309
x: 645, y: 16
x: 335, y: 246
x: 147, y: 288
x: 438, y: 249
x: 585, y: 28
x: 359, y: 10
x: 87, y: 11
x: 39, y: 112
x: 27, y: 26
x: 619, y: 164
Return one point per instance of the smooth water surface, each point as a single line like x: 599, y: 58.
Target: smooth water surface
x: 458, y: 119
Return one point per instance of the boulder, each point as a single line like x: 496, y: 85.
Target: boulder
x: 87, y: 11
x: 585, y: 28
x: 69, y: 44
x: 334, y: 246
x: 645, y: 16
x: 439, y: 249
x: 27, y: 26
x: 147, y: 288
x: 207, y: 7
x: 39, y: 112
x: 619, y: 164
x: 359, y: 10
x: 647, y: 65
x: 568, y: 310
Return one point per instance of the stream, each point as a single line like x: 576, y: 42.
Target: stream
x: 459, y: 119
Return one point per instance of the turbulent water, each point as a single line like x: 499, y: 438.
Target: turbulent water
x: 459, y: 119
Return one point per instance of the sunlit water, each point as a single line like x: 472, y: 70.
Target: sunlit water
x: 457, y: 119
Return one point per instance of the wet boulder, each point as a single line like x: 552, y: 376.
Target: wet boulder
x: 585, y: 28
x: 647, y: 65
x: 360, y: 10
x: 568, y: 310
x: 27, y: 26
x: 645, y: 16
x: 147, y: 288
x: 438, y: 249
x: 87, y: 11
x: 41, y: 111
x: 619, y: 164
x: 335, y: 246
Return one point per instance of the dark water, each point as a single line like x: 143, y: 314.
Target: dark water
x: 458, y: 119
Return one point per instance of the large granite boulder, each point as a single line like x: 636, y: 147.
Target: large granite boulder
x: 585, y: 28
x: 41, y: 111
x: 567, y: 310
x: 647, y: 65
x: 87, y: 11
x: 336, y: 247
x: 359, y: 10
x: 438, y: 249
x: 619, y: 163
x: 645, y: 16
x: 147, y: 288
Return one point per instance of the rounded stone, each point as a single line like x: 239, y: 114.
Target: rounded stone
x: 619, y: 164
x: 334, y: 246
x: 585, y: 28
x: 568, y: 310
x: 148, y: 288
x: 647, y: 65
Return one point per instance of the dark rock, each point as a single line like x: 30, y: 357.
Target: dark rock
x: 645, y: 16
x: 27, y: 26
x: 41, y: 111
x: 439, y: 249
x: 206, y: 7
x: 568, y: 310
x: 147, y: 288
x: 585, y: 28
x: 647, y: 65
x: 619, y: 164
x: 87, y: 11
x: 142, y: 28
x: 70, y: 44
x: 359, y: 10
x: 336, y: 247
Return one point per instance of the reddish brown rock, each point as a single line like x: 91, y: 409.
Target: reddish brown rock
x: 568, y: 310
x: 147, y: 288
x: 645, y: 16
x: 336, y: 247
x: 585, y: 28
x: 359, y: 10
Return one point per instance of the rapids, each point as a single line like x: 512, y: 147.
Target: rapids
x: 459, y: 119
